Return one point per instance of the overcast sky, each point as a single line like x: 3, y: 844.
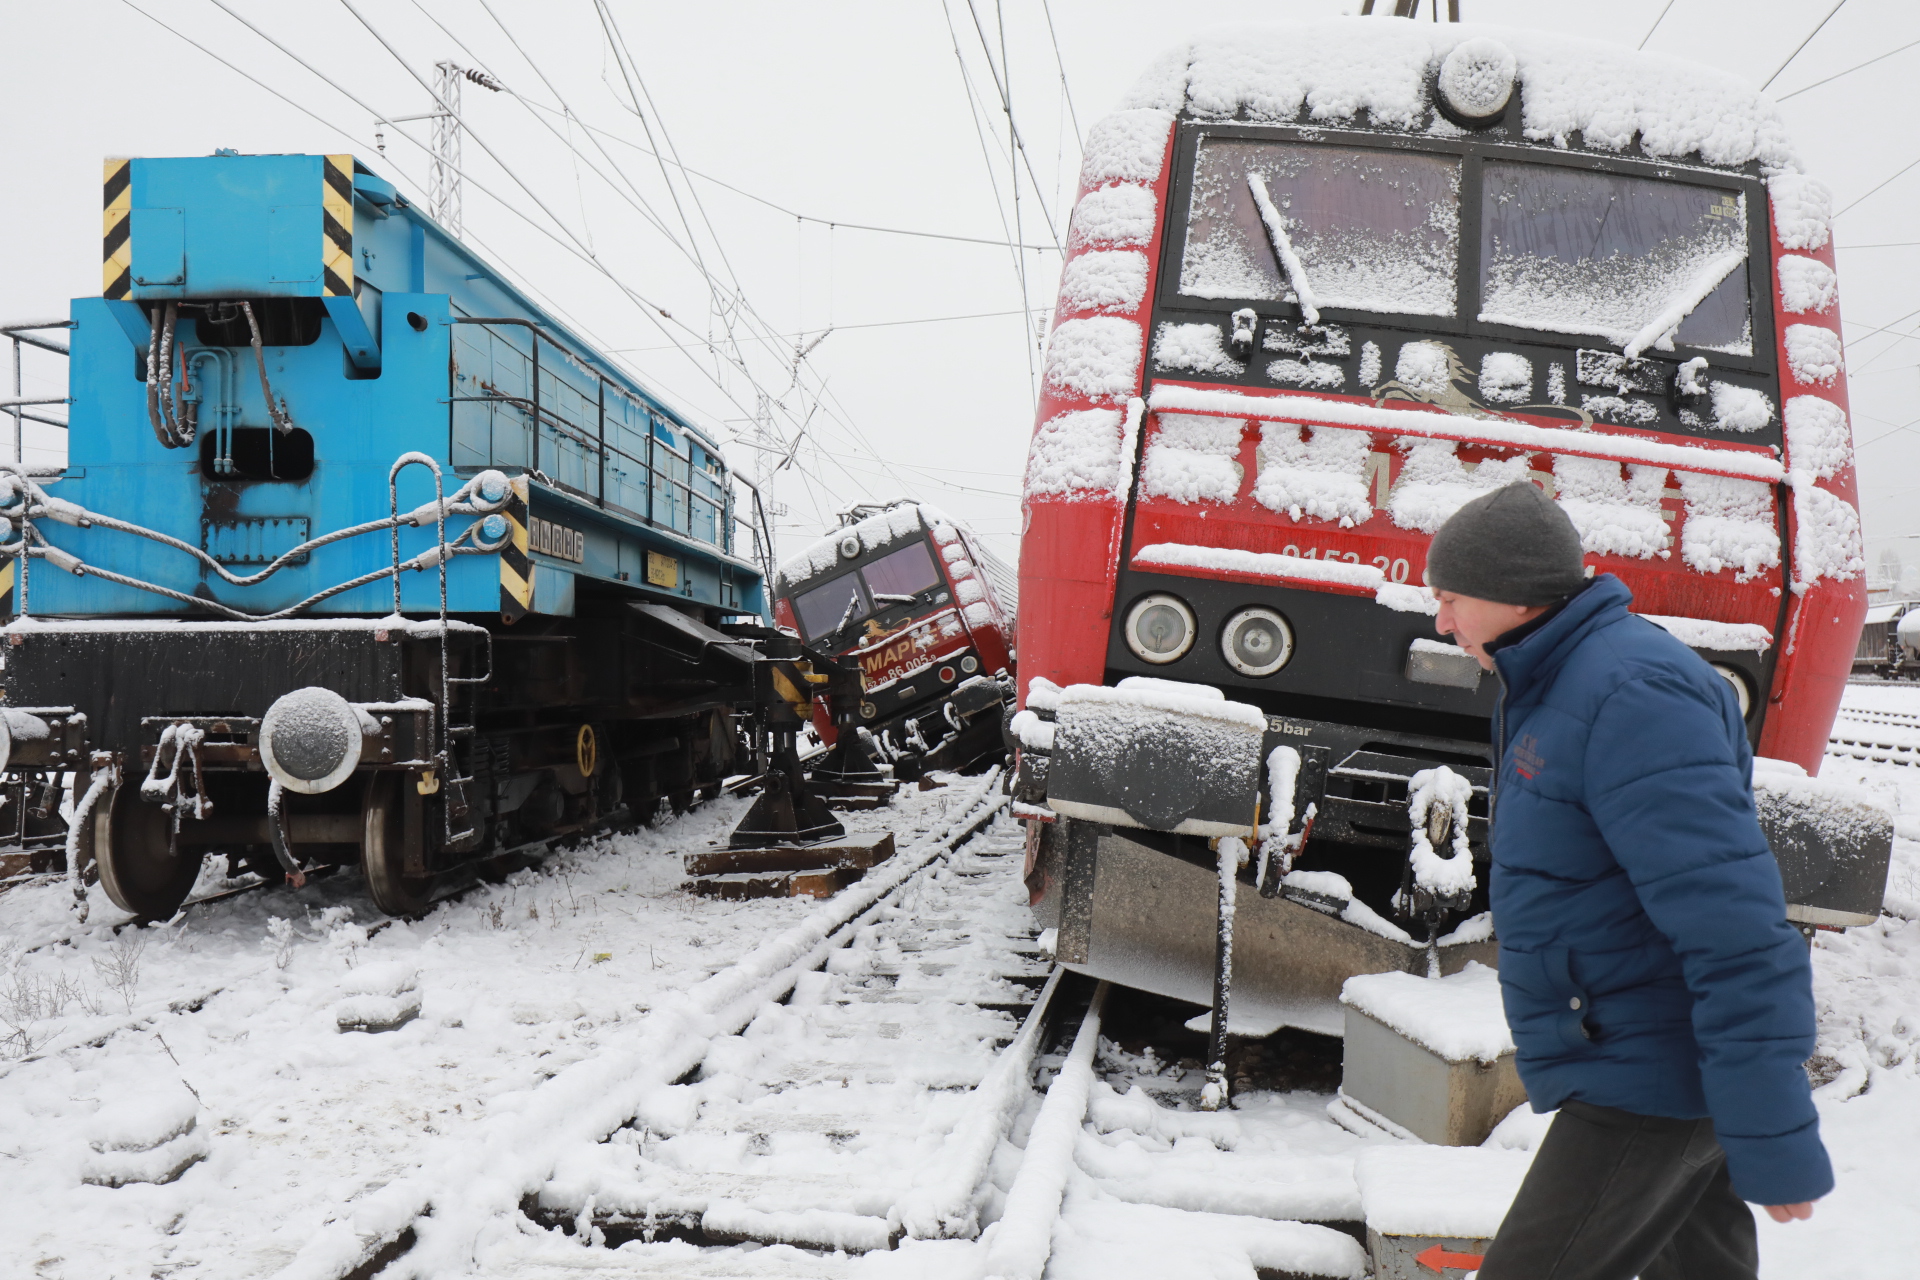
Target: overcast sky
x: 847, y: 113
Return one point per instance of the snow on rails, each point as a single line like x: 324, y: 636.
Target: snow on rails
x: 719, y: 1112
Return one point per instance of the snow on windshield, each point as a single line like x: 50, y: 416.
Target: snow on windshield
x: 1375, y: 231
x: 1575, y: 251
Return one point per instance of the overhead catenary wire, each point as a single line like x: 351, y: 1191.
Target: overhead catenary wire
x: 573, y: 248
x: 1667, y: 8
x: 1838, y: 5
x: 1887, y: 330
x: 576, y: 247
x: 560, y: 232
x: 638, y: 201
x: 1849, y: 71
x: 1066, y: 93
x: 884, y: 324
x: 631, y: 192
x: 1003, y: 84
x: 344, y: 132
x: 843, y: 419
x: 835, y: 223
x: 738, y: 299
x: 1875, y: 190
x: 993, y: 181
x: 618, y: 47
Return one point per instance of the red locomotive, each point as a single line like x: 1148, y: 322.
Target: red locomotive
x: 928, y: 612
x: 1327, y: 282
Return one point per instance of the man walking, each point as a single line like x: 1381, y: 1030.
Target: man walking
x: 1657, y: 995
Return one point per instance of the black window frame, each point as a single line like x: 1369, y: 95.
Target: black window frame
x: 1472, y: 152
x: 860, y: 589
x: 928, y: 597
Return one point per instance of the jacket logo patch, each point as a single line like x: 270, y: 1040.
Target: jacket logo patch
x: 1527, y: 760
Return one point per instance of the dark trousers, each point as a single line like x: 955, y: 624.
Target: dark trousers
x: 1613, y: 1195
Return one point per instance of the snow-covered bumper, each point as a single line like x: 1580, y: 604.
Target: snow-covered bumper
x: 1834, y: 844
x: 1139, y: 792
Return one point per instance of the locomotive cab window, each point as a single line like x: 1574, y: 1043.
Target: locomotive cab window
x: 1372, y: 230
x: 832, y: 605
x: 899, y: 576
x: 1606, y: 255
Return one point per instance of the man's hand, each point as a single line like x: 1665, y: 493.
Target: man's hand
x: 1788, y: 1212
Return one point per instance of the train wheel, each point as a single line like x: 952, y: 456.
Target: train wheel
x: 383, y: 850
x: 132, y: 848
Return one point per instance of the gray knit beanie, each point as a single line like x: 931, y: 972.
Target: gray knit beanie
x: 1514, y: 546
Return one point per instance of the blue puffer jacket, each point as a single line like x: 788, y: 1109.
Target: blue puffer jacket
x: 1646, y: 961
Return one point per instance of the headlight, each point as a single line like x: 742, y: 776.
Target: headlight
x: 1160, y: 628
x: 1257, y: 642
x: 1738, y: 679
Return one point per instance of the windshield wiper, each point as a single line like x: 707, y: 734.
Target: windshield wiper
x: 1283, y: 248
x: 847, y: 617
x: 1704, y: 282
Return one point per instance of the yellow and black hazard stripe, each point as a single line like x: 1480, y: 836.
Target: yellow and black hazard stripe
x: 336, y: 252
x: 516, y: 570
x: 116, y: 270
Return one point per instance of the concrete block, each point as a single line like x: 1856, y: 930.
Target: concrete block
x: 1423, y: 1257
x: 1431, y: 1212
x: 1431, y: 1055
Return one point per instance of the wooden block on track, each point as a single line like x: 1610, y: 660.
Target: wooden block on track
x: 741, y: 886
x: 859, y: 849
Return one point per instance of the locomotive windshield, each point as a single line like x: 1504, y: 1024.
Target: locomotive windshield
x: 1562, y: 249
x: 1374, y: 230
x: 1576, y: 251
x: 901, y: 575
x: 897, y: 578
x: 831, y: 605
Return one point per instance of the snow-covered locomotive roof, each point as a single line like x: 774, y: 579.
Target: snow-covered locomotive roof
x: 901, y: 520
x: 1600, y: 96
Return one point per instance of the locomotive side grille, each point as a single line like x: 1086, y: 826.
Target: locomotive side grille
x: 116, y: 271
x: 336, y: 250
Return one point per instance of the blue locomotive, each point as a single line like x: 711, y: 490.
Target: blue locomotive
x: 359, y: 555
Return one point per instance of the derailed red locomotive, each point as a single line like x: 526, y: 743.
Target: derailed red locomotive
x: 1326, y: 283
x: 929, y: 613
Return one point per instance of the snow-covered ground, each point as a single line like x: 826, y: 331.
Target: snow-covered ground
x: 230, y: 1018
x: 233, y: 1010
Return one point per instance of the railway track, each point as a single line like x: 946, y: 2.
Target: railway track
x: 893, y: 1080
x: 1883, y: 737
x: 904, y: 1069
x: 434, y: 1220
